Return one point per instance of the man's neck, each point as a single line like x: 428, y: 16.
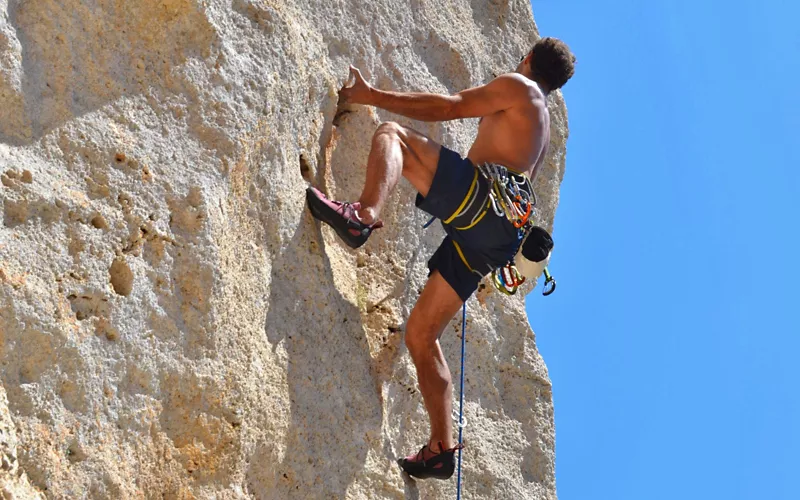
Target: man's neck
x: 542, y: 87
x: 535, y: 80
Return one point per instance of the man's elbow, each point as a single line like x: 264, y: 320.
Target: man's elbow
x: 455, y: 108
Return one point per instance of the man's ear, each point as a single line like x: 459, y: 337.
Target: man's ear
x: 529, y: 59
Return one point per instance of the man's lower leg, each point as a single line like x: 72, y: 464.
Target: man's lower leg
x: 436, y: 386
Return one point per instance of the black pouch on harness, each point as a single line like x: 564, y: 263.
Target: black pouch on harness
x: 534, y: 253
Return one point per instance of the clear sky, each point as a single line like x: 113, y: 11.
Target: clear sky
x: 673, y: 341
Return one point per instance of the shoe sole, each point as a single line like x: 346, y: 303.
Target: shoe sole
x: 443, y: 473
x: 326, y: 214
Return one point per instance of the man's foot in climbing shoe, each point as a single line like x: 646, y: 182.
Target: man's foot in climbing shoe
x: 429, y: 464
x: 342, y: 217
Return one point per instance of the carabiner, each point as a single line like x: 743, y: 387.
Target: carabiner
x: 521, y: 221
x: 548, y: 281
x: 498, y: 283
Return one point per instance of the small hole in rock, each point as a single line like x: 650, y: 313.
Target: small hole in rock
x: 75, y: 454
x: 112, y: 335
x: 120, y: 157
x: 305, y: 168
x: 99, y: 222
x: 121, y: 277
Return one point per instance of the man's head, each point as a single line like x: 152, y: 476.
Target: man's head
x: 550, y: 64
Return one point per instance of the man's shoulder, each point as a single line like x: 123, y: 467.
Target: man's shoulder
x: 517, y: 83
x: 512, y: 78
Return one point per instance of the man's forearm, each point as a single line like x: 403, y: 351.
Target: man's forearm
x: 414, y: 105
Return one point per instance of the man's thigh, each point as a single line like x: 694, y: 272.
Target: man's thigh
x: 420, y: 158
x: 435, y: 307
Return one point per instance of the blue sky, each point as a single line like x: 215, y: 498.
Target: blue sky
x: 673, y: 339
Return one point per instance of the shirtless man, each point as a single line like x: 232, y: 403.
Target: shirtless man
x: 514, y: 132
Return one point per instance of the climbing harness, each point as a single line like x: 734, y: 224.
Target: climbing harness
x: 511, y: 196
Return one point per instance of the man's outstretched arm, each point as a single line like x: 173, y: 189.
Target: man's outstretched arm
x: 498, y: 95
x: 415, y: 105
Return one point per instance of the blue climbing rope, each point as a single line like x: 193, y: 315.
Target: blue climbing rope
x: 461, y: 396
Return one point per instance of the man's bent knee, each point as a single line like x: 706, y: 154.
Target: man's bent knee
x: 417, y: 344
x: 420, y: 337
x: 388, y: 128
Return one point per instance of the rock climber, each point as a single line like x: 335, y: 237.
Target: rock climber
x: 514, y: 131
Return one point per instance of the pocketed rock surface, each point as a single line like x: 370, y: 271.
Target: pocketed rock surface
x: 173, y: 322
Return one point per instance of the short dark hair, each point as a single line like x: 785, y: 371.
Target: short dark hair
x: 553, y: 63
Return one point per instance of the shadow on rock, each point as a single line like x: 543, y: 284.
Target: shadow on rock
x: 335, y: 412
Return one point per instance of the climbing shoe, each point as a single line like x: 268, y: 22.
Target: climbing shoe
x: 341, y: 217
x: 427, y: 464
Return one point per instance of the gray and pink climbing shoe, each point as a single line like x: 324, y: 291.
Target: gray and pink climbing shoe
x: 341, y: 216
x: 427, y: 464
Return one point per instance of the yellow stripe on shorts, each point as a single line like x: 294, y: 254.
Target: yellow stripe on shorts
x: 485, y: 209
x: 466, y: 198
x: 461, y: 254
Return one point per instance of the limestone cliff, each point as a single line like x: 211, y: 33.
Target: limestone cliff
x: 173, y: 323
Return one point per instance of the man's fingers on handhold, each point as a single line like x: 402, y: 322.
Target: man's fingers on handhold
x: 352, y: 78
x: 355, y: 74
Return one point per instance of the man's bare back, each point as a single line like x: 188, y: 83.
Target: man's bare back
x: 517, y: 137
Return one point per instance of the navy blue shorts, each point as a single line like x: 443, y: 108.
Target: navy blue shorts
x: 478, y: 240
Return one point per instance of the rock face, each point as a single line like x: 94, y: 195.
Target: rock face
x: 173, y: 323
x: 13, y: 481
